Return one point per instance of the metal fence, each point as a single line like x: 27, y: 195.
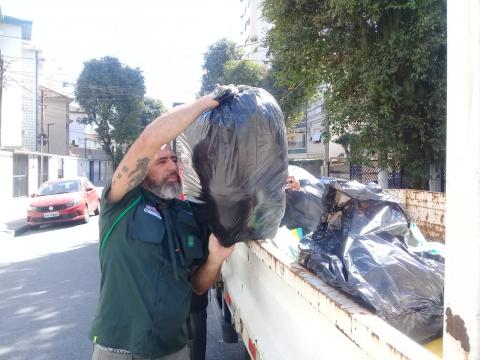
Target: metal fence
x: 366, y: 173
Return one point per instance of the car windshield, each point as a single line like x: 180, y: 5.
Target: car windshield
x: 59, y: 187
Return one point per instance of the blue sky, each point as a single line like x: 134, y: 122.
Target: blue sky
x: 165, y: 39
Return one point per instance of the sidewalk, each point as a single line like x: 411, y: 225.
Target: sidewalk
x: 13, y: 216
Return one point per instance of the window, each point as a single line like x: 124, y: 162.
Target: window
x: 296, y: 139
x: 316, y: 136
x: 61, y: 187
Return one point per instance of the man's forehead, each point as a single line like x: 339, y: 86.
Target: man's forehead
x: 165, y: 152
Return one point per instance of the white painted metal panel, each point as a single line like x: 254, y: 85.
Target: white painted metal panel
x: 289, y: 313
x: 462, y: 278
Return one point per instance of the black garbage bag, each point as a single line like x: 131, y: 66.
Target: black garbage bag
x: 235, y: 160
x: 305, y: 207
x: 361, y: 249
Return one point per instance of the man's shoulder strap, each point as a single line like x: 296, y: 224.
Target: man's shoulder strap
x: 117, y: 220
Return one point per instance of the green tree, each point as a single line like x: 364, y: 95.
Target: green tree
x: 287, y: 93
x: 384, y: 65
x: 223, y: 65
x: 152, y: 108
x: 112, y: 96
x: 244, y: 72
x: 214, y: 60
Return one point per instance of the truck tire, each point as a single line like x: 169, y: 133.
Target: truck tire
x: 246, y: 355
x: 219, y: 297
x: 229, y: 334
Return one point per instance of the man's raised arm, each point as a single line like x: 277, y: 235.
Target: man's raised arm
x: 133, y: 168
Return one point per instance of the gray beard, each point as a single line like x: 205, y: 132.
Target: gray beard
x: 165, y: 190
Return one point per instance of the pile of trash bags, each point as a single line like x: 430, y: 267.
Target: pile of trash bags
x: 358, y: 244
x: 235, y: 160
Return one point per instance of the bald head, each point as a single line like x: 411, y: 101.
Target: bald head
x: 163, y: 177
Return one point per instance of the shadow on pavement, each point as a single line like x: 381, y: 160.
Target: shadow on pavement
x: 47, y: 304
x: 14, y: 227
x: 46, y: 312
x: 24, y: 228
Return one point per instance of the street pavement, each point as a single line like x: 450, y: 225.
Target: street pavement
x: 49, y: 289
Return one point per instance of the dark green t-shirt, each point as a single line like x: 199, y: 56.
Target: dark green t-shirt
x: 145, y: 263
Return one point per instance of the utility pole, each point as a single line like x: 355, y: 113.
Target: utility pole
x: 2, y: 81
x: 48, y: 136
x: 41, y: 136
x: 37, y: 122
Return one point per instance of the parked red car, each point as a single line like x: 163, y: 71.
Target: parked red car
x: 63, y: 200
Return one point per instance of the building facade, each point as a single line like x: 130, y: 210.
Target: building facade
x: 55, y: 121
x: 309, y: 140
x: 31, y: 115
x: 254, y: 30
x: 84, y: 144
x: 18, y: 90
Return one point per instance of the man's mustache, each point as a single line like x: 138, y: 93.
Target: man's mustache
x: 172, y: 173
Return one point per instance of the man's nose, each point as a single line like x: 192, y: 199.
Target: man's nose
x: 172, y: 165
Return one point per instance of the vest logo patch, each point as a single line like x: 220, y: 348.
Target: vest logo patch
x: 152, y: 211
x: 191, y: 241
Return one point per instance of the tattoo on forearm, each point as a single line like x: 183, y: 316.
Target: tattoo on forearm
x: 118, y: 176
x: 139, y: 173
x: 125, y: 169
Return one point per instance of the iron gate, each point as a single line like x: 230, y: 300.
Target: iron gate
x: 20, y: 175
x: 366, y: 173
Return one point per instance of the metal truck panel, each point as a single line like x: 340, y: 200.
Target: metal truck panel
x: 426, y: 209
x: 286, y: 312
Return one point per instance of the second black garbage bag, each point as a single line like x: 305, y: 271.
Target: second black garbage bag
x: 235, y: 160
x: 362, y: 249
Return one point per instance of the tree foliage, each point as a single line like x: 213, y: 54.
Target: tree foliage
x: 223, y: 64
x: 112, y: 96
x: 384, y: 65
x: 152, y: 108
x: 214, y: 60
x: 244, y: 72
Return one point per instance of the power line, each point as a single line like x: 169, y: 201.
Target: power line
x: 19, y: 84
x: 291, y: 91
x: 18, y: 57
x: 11, y: 36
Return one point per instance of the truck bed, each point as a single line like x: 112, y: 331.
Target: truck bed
x: 284, y: 311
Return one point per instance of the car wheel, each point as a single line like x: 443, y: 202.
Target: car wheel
x: 97, y: 210
x: 34, y: 227
x: 86, y: 216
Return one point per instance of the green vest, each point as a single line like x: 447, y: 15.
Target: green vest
x: 147, y: 249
